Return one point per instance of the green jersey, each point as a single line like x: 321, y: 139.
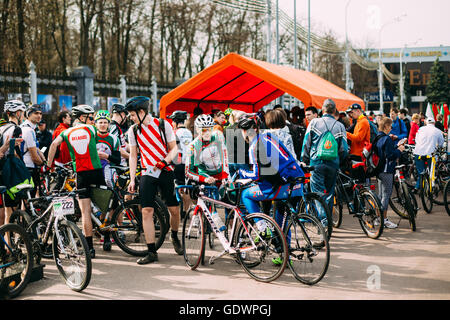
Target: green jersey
x: 82, y: 143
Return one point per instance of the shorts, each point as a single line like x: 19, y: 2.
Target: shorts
x: 35, y: 175
x: 6, y: 200
x: 180, y: 174
x: 148, y: 187
x: 87, y: 178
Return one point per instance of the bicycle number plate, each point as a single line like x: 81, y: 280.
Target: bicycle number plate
x: 63, y: 206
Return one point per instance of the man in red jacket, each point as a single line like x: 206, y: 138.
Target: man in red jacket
x: 65, y: 121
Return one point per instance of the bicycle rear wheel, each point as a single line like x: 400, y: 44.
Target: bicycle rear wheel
x: 397, y: 201
x: 370, y: 217
x: 266, y: 260
x: 193, y: 237
x: 16, y: 255
x: 72, y: 256
x: 312, y: 204
x: 128, y: 232
x: 337, y: 213
x: 426, y: 195
x: 309, y: 250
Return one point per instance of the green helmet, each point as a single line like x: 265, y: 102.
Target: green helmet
x: 228, y: 111
x: 103, y: 114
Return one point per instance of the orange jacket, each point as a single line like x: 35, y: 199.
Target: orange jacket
x: 360, y: 136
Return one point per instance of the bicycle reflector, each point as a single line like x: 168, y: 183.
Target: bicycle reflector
x: 372, y: 187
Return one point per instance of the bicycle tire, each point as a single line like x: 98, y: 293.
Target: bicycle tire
x: 311, y: 200
x: 438, y: 189
x: 129, y: 234
x: 258, y: 263
x: 40, y: 250
x: 309, y: 249
x: 371, y: 218
x: 164, y: 212
x: 446, y: 197
x: 337, y: 213
x: 77, y: 250
x: 193, y: 237
x: 397, y: 201
x: 19, y: 241
x: 425, y: 194
x: 409, y: 207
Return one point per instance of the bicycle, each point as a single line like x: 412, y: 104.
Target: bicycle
x: 251, y: 246
x: 69, y: 247
x: 446, y: 197
x: 361, y: 202
x: 403, y: 202
x: 308, y: 246
x: 429, y: 188
x: 16, y: 258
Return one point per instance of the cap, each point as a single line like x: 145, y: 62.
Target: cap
x: 42, y: 122
x: 348, y: 110
x: 430, y: 120
x: 355, y: 106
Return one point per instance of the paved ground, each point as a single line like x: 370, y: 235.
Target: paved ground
x: 400, y: 265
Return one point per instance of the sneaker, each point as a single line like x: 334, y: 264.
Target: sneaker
x: 92, y: 252
x: 376, y: 222
x: 150, y: 257
x: 388, y: 224
x: 266, y: 235
x: 107, y: 246
x: 177, y: 246
x: 278, y: 261
x: 324, y: 222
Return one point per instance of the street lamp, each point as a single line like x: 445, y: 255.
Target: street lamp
x: 402, y: 85
x: 347, y: 61
x: 380, y: 71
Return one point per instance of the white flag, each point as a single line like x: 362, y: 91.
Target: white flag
x: 429, y: 112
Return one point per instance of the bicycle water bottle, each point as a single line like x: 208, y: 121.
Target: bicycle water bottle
x: 217, y: 221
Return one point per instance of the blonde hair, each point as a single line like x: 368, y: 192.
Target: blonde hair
x: 415, y: 116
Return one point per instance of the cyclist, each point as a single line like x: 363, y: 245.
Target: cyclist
x: 207, y: 156
x: 63, y: 154
x: 108, y: 148
x: 118, y: 119
x: 272, y: 166
x: 81, y: 140
x: 32, y: 155
x: 428, y: 138
x: 158, y: 149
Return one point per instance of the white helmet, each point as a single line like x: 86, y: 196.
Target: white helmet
x: 14, y: 105
x: 204, y: 121
x: 82, y: 109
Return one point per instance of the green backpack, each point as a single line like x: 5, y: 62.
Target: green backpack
x: 328, y: 146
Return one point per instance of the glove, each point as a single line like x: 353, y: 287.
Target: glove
x: 161, y: 164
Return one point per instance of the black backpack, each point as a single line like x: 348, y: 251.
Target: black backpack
x: 374, y: 160
x: 298, y: 135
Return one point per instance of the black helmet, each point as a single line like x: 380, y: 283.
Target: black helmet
x: 137, y: 103
x: 249, y: 121
x: 33, y: 108
x: 118, y: 107
x: 178, y: 116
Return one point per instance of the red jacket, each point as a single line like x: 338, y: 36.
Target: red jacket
x: 413, y: 132
x: 64, y: 154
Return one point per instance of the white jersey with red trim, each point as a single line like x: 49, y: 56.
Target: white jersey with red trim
x: 150, y: 142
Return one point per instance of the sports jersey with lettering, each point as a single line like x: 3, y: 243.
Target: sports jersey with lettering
x: 82, y: 143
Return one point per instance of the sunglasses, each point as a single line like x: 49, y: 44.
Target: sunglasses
x: 206, y: 130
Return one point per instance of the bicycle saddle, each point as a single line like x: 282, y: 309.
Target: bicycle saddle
x: 3, y: 189
x: 24, y: 186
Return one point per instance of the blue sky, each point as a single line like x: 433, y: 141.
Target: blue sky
x: 425, y: 23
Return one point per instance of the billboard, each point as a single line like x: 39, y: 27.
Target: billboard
x: 45, y: 101
x: 65, y: 103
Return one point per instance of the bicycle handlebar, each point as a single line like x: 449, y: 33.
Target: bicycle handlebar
x: 64, y: 194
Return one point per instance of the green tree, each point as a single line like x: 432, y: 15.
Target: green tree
x: 438, y: 87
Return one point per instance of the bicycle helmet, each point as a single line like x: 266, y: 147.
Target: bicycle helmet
x: 137, y: 103
x: 118, y: 107
x: 204, y: 121
x: 228, y: 111
x: 33, y: 108
x: 178, y: 116
x: 81, y: 109
x: 103, y: 114
x: 248, y: 122
x: 14, y: 105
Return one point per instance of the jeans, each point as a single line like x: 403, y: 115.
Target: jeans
x: 323, y: 179
x: 420, y: 166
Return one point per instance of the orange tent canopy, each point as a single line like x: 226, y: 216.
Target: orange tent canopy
x: 248, y: 84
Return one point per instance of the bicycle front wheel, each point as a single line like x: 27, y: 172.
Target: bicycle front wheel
x: 261, y: 247
x: 370, y: 215
x: 72, y: 256
x: 312, y: 205
x: 193, y: 237
x: 16, y: 258
x: 397, y: 201
x: 309, y: 250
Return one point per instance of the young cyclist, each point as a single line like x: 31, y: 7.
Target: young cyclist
x: 81, y: 140
x: 158, y: 148
x: 109, y: 145
x: 207, y: 157
x: 118, y: 119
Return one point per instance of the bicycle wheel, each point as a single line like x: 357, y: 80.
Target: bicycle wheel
x: 370, y: 215
x: 397, y: 201
x: 426, y: 195
x: 409, y: 205
x: 267, y: 261
x: 128, y: 232
x: 438, y: 189
x: 447, y: 197
x: 193, y: 237
x: 16, y: 258
x: 71, y: 254
x: 309, y: 250
x: 311, y: 205
x: 337, y: 213
x: 161, y: 207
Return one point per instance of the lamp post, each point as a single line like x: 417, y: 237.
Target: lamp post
x: 402, y: 84
x: 347, y: 60
x: 380, y: 71
x: 309, y: 35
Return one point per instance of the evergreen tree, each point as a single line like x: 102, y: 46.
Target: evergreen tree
x: 438, y: 87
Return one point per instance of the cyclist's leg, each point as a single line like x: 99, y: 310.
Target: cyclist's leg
x: 323, y: 180
x: 420, y: 166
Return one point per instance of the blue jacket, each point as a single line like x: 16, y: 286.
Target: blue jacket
x: 271, y: 161
x: 399, y: 129
x: 387, y: 149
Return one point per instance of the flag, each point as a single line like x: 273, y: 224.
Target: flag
x: 446, y: 115
x: 435, y: 110
x: 429, y: 112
